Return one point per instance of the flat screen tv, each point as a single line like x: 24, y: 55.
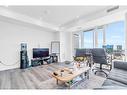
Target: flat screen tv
x: 40, y: 52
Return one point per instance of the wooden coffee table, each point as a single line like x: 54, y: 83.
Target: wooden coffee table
x: 66, y: 74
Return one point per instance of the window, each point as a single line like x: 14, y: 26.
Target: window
x: 100, y: 37
x: 115, y: 34
x: 89, y: 39
x: 110, y: 34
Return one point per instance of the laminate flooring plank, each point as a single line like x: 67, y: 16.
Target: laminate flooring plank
x: 51, y: 68
x: 20, y: 81
x: 3, y: 79
x: 8, y: 80
x: 47, y: 72
x: 13, y: 78
x: 28, y: 82
x: 16, y: 78
x: 33, y: 79
x: 37, y: 73
x: 44, y: 73
x: 56, y: 66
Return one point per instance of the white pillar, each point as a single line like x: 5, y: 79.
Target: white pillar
x: 65, y: 46
x: 126, y: 36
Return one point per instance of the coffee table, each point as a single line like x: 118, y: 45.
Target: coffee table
x: 67, y: 75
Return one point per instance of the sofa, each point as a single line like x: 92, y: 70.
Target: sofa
x: 117, y: 78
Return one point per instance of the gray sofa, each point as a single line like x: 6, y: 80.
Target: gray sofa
x: 117, y: 78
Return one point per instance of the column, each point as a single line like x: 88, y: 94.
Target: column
x: 126, y: 37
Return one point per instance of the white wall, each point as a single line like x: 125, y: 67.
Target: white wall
x: 12, y: 35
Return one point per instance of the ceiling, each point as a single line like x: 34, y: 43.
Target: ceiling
x: 56, y: 15
x: 57, y: 18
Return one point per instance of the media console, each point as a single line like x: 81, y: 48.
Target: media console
x: 40, y: 61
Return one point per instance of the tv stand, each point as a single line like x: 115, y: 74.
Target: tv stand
x: 40, y: 61
x: 36, y: 62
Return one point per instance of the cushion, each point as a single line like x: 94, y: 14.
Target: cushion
x: 109, y: 82
x: 79, y: 58
x: 120, y: 65
x: 118, y: 75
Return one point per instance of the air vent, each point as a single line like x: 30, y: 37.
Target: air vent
x: 113, y: 9
x: 76, y: 35
x: 79, y: 27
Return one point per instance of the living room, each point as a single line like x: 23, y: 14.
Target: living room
x: 39, y: 50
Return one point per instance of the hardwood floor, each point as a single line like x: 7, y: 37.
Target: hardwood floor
x: 29, y: 78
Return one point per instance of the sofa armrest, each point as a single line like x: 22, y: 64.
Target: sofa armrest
x: 120, y: 65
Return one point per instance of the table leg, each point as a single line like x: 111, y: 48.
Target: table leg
x: 57, y: 81
x: 87, y: 74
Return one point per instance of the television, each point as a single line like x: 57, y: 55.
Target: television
x: 40, y: 52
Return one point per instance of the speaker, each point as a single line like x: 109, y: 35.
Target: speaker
x: 23, y: 47
x: 24, y: 61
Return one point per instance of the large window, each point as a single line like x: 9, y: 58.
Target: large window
x: 115, y: 34
x: 88, y: 38
x: 110, y: 34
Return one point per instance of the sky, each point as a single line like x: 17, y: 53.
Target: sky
x: 115, y: 33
